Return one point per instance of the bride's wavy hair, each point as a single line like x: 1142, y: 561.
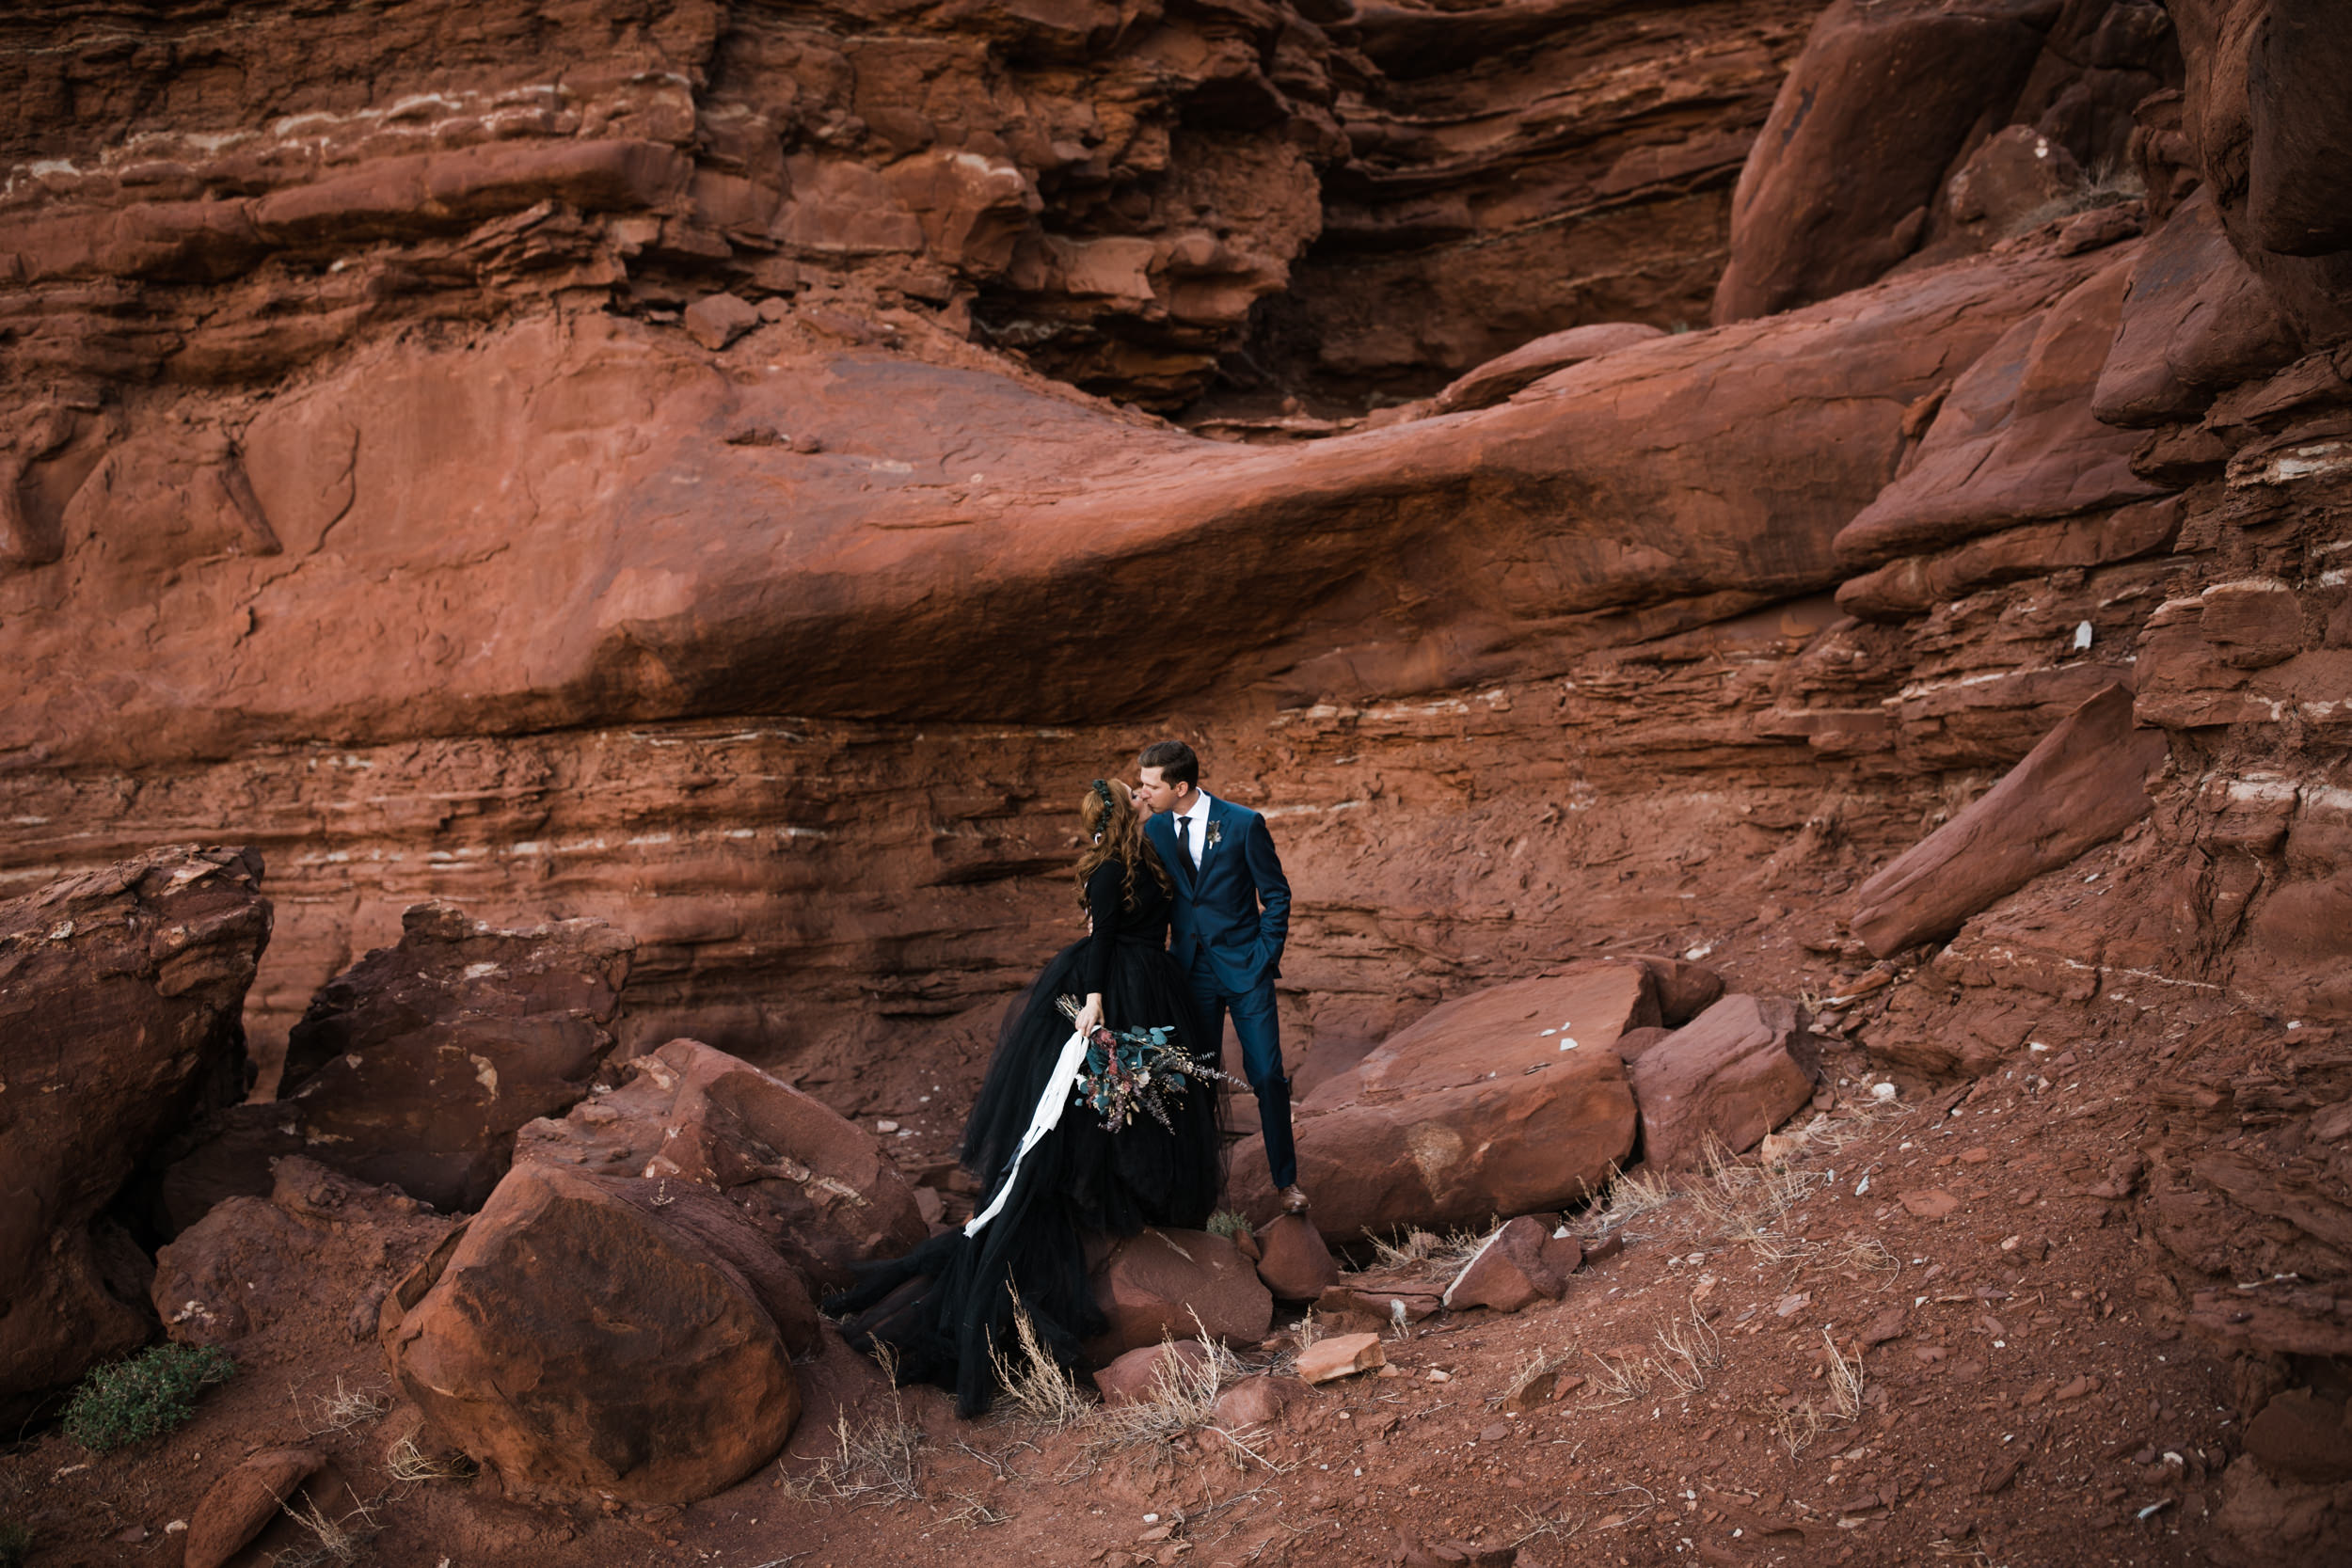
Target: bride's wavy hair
x: 1112, y: 822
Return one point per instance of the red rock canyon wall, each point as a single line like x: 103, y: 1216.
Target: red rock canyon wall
x: 687, y: 465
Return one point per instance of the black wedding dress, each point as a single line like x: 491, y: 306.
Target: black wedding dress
x: 942, y: 1306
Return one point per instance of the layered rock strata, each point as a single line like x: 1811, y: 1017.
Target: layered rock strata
x: 119, y: 998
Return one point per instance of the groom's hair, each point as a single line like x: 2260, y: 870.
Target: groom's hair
x: 1175, y: 761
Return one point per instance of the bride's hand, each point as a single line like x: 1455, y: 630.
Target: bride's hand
x: 1090, y: 1016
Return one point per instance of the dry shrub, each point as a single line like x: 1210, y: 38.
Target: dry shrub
x: 1182, y: 1396
x: 874, y: 1461
x: 1864, y: 1258
x: 877, y: 1461
x: 1796, y: 1425
x: 976, y: 1512
x: 1037, y: 1388
x: 1539, y: 1363
x: 1560, y: 1526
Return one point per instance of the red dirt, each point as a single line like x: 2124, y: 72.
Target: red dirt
x: 2025, y: 1410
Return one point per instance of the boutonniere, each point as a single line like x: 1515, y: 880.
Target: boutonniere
x: 1216, y: 835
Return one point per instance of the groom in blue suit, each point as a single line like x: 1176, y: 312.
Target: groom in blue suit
x: 1232, y: 910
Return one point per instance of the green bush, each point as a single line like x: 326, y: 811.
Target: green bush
x: 16, y: 1544
x: 1226, y: 1222
x: 129, y: 1402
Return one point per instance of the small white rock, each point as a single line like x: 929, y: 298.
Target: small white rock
x: 1883, y: 1091
x: 885, y: 1127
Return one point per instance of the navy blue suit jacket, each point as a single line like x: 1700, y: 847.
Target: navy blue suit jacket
x: 1237, y: 908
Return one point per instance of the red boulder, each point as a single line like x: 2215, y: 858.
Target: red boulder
x: 1293, y: 1260
x: 1137, y: 1377
x: 1169, y: 1284
x: 1517, y: 1268
x: 589, y: 1336
x: 817, y: 1184
x: 2085, y: 783
x: 1731, y: 1075
x: 243, y: 1501
x: 1507, y: 1100
x: 417, y: 1065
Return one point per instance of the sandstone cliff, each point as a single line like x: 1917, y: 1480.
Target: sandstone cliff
x: 687, y: 464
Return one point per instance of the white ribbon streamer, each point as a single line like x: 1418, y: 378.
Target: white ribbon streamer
x: 1049, y: 1109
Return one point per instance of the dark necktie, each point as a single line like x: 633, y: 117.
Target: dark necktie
x: 1183, y: 845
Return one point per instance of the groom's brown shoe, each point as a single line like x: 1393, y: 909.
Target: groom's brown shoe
x: 1294, y: 1200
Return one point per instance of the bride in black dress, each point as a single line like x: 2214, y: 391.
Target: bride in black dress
x: 946, y: 1306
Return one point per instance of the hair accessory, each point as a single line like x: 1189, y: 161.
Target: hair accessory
x: 1103, y: 788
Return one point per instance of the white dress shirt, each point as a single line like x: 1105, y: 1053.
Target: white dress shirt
x: 1191, y: 824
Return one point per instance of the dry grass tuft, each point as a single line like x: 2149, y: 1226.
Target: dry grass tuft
x: 1740, y: 1203
x: 1183, y: 1396
x: 334, y: 1540
x: 409, y: 1464
x: 1861, y: 1117
x: 1037, y: 1388
x: 346, y: 1409
x: 1845, y: 1381
x: 1688, y: 1350
x: 1628, y: 1197
x: 1426, y: 1249
x: 1621, y: 1380
x: 1310, y: 1329
x: 877, y: 1461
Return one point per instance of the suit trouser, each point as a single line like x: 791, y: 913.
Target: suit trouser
x: 1258, y: 1026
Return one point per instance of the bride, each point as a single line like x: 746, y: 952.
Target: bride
x: 945, y: 1309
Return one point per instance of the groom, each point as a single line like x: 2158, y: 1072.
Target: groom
x: 1233, y: 909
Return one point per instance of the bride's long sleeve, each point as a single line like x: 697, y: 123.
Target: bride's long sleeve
x: 1103, y: 905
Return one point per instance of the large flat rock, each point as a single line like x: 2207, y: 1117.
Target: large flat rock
x: 1504, y: 1101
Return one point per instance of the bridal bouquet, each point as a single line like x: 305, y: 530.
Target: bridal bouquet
x: 1131, y: 1069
